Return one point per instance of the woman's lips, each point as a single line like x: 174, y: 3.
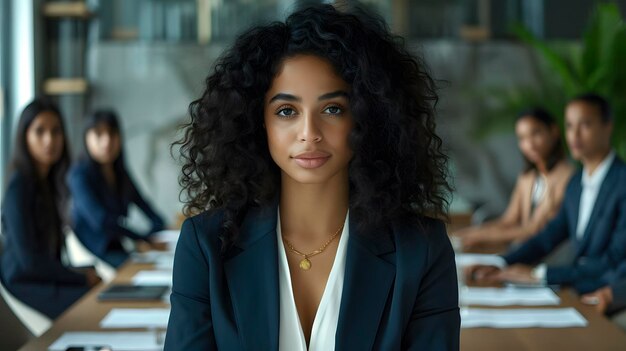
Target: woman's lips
x: 311, y: 160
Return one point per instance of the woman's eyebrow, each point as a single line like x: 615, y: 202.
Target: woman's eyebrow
x: 290, y: 97
x: 285, y: 96
x: 334, y: 94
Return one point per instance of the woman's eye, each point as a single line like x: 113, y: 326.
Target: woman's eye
x: 333, y: 110
x: 286, y: 112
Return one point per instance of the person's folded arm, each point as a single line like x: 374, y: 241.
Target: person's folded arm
x: 537, y: 247
x: 156, y: 220
x: 87, y: 204
x: 591, y: 268
x: 91, y: 209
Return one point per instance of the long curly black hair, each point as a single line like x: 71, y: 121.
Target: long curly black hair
x: 398, y: 167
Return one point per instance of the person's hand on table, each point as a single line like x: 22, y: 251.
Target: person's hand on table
x: 145, y: 246
x: 481, y: 273
x: 601, y: 298
x: 159, y: 245
x: 472, y: 239
x: 517, y: 273
x: 142, y: 246
x: 92, y: 277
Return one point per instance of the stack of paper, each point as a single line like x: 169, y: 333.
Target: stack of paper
x: 522, y: 318
x: 160, y: 259
x: 508, y: 296
x: 162, y: 277
x: 118, y: 341
x: 136, y: 318
x: 466, y: 259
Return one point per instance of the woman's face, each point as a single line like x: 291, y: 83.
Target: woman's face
x: 44, y: 139
x: 308, y: 120
x: 103, y: 143
x: 535, y: 139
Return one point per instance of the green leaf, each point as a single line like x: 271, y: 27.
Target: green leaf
x: 599, y: 37
x: 556, y: 61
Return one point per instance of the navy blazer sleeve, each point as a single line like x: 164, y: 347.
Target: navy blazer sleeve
x: 435, y: 320
x: 190, y: 325
x: 537, y: 247
x: 619, y: 294
x: 593, y: 267
x: 91, y: 209
x: 138, y: 199
x: 32, y: 262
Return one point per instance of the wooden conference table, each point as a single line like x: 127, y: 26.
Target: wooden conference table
x: 599, y: 335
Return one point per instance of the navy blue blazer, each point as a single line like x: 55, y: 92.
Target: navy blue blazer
x: 30, y: 269
x: 400, y: 289
x: 619, y: 294
x: 601, y: 249
x: 98, y: 213
x: 618, y: 287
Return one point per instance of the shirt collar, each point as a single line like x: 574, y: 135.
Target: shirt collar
x: 599, y: 173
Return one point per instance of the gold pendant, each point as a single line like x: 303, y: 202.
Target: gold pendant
x: 305, y: 264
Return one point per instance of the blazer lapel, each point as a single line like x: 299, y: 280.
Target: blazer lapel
x: 573, y: 219
x: 368, y: 280
x: 252, y: 276
x: 598, y: 207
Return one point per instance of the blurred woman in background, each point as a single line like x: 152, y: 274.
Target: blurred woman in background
x: 539, y: 190
x: 33, y: 215
x: 102, y: 190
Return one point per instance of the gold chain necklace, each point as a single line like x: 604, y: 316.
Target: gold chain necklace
x: 305, y: 263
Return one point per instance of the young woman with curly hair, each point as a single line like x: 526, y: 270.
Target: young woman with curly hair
x: 313, y: 168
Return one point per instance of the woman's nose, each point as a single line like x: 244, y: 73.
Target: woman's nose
x: 309, y: 130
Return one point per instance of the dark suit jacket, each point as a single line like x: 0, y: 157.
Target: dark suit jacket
x: 603, y: 246
x: 618, y: 289
x: 29, y: 268
x: 619, y: 294
x: 400, y: 289
x: 98, y: 212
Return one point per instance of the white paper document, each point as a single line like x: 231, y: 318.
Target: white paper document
x: 161, y: 277
x: 118, y: 341
x: 160, y: 259
x: 522, y: 318
x: 467, y: 259
x: 136, y: 318
x: 508, y: 296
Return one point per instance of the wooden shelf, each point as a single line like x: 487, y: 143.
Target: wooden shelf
x: 76, y: 9
x: 124, y: 34
x: 60, y: 86
x: 475, y: 33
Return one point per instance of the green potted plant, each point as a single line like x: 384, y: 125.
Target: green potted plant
x: 598, y: 64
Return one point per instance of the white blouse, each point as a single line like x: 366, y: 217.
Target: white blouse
x: 291, y: 336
